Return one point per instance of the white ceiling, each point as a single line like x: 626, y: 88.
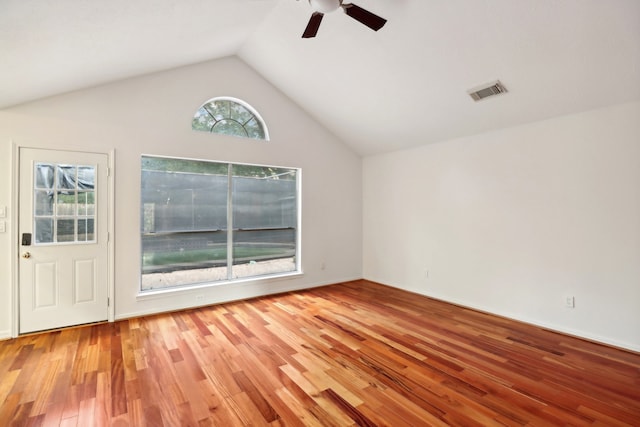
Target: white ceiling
x: 402, y: 86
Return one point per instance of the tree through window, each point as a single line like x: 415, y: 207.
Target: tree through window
x: 230, y: 116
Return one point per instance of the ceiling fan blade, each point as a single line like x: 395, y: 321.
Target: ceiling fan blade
x: 363, y: 16
x: 313, y: 25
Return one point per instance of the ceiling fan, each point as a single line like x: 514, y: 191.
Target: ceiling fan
x: 321, y: 7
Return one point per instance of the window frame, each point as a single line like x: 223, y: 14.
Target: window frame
x: 214, y: 283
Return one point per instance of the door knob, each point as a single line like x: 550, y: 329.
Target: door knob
x: 26, y: 255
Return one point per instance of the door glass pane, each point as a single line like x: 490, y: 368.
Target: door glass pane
x: 66, y: 177
x: 82, y: 230
x: 85, y: 230
x: 44, y: 175
x: 44, y: 230
x: 90, y: 229
x: 66, y: 204
x: 65, y: 230
x: 44, y: 203
x: 86, y: 203
x: 86, y: 177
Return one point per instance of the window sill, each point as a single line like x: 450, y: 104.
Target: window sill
x: 159, y: 293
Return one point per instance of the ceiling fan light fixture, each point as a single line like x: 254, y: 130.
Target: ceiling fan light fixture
x: 320, y: 7
x: 325, y: 6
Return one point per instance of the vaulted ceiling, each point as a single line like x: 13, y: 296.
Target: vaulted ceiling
x: 402, y: 86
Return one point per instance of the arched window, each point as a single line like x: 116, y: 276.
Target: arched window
x: 230, y: 116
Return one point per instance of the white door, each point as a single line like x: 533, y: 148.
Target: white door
x: 63, y: 274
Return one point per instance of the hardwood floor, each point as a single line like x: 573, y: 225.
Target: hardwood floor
x: 356, y: 353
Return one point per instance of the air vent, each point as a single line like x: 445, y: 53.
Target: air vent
x: 485, y: 91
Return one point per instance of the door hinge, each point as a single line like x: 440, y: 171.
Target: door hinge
x: 108, y: 302
x: 108, y: 172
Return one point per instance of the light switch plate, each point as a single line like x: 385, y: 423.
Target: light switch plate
x: 3, y: 211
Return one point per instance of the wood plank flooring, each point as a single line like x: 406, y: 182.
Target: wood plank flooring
x: 350, y: 354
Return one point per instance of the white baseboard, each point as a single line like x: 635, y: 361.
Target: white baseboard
x: 523, y: 319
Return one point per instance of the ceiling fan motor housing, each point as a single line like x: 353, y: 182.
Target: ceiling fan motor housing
x: 325, y: 6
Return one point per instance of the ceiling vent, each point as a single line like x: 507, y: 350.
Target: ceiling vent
x: 487, y: 90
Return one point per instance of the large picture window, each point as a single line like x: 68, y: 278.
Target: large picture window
x: 204, y: 222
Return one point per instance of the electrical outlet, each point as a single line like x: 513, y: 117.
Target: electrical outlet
x: 199, y: 298
x: 570, y: 302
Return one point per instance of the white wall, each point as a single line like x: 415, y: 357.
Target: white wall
x: 152, y: 115
x: 513, y: 221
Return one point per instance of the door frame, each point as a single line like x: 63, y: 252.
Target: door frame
x: 15, y: 229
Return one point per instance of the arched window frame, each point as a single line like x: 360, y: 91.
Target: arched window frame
x: 217, y: 121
